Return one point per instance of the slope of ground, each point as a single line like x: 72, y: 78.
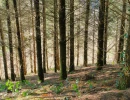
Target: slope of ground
x: 85, y: 83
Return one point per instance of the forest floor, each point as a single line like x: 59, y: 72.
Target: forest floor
x: 85, y: 83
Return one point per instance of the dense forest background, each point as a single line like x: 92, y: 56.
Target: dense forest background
x: 43, y: 36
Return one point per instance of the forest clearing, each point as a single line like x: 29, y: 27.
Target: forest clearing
x: 64, y: 49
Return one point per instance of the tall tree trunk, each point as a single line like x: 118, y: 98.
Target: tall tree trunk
x: 47, y: 57
x: 22, y: 39
x: 121, y: 40
x: 68, y: 35
x: 93, y: 38
x: 19, y: 42
x: 56, y: 51
x: 86, y: 33
x: 44, y: 34
x: 34, y: 43
x: 71, y: 68
x: 62, y: 27
x: 100, y: 35
x: 16, y: 52
x: 78, y: 34
x: 38, y: 41
x: 125, y: 79
x: 116, y: 41
x: 3, y: 51
x: 0, y: 68
x: 30, y: 51
x: 10, y: 42
x: 105, y: 31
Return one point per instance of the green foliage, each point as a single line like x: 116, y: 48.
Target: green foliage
x: 121, y: 82
x: 10, y: 85
x: 2, y: 87
x: 13, y: 87
x: 25, y: 93
x: 90, y: 84
x: 126, y: 35
x: 75, y: 86
x: 17, y: 86
x: 57, y: 88
x: 28, y: 84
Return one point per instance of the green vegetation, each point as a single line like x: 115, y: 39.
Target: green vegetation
x: 57, y: 88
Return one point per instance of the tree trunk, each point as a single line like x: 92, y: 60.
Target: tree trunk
x: 38, y: 41
x: 47, y: 57
x: 71, y: 68
x: 100, y: 35
x: 30, y: 51
x: 56, y: 51
x: 105, y: 32
x: 116, y: 42
x: 34, y: 43
x: 86, y: 33
x: 19, y: 42
x: 124, y: 81
x: 44, y: 35
x: 10, y: 42
x: 78, y: 34
x: 22, y: 39
x: 121, y: 40
x: 62, y: 27
x: 93, y: 37
x: 3, y: 51
x: 127, y: 77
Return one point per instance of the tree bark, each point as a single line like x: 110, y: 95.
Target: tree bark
x: 86, y: 33
x: 38, y: 41
x: 93, y: 38
x: 116, y: 41
x: 3, y: 51
x: 121, y: 40
x: 10, y: 42
x: 22, y: 40
x: 34, y: 43
x: 71, y: 68
x: 62, y: 27
x: 56, y: 51
x: 105, y: 32
x: 44, y: 35
x: 19, y: 42
x: 100, y: 35
x: 127, y: 77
